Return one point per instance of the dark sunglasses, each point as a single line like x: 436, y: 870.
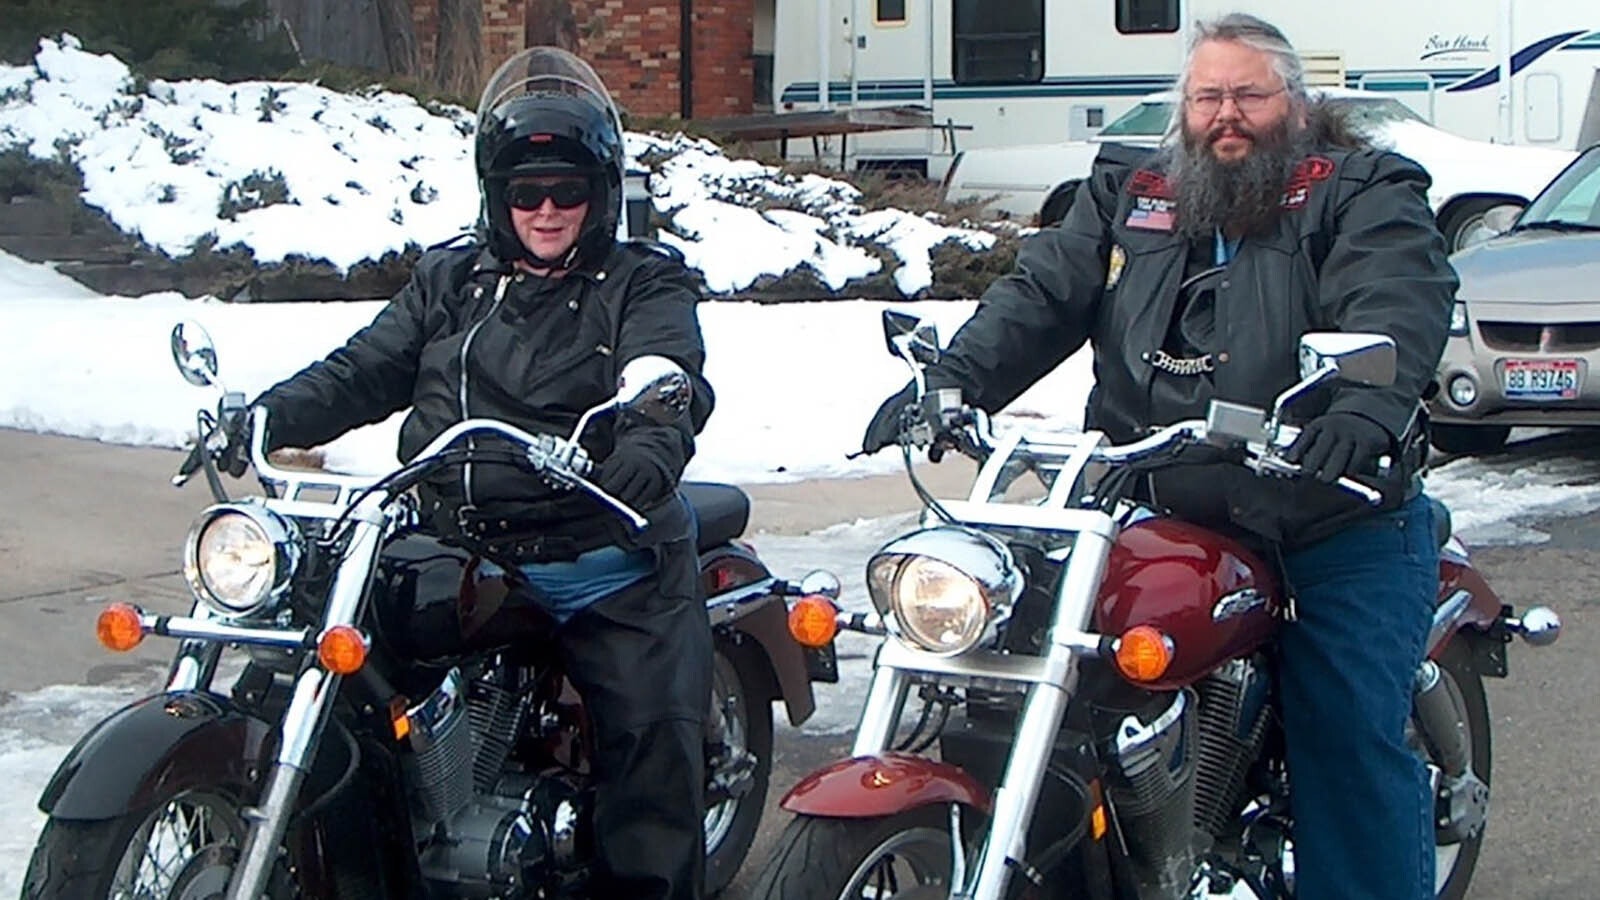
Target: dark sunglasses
x: 567, y: 193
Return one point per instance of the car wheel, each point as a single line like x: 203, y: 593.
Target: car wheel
x: 1466, y: 218
x: 1057, y: 203
x: 1468, y: 440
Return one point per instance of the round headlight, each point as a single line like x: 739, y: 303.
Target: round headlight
x: 940, y: 608
x: 942, y: 589
x: 239, y: 558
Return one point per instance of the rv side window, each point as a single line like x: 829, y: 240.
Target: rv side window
x: 891, y: 12
x: 998, y: 43
x: 1147, y: 16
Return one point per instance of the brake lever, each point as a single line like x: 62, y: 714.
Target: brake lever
x: 566, y: 466
x: 1266, y: 461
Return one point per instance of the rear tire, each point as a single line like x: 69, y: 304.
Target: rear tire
x: 1456, y: 663
x: 1468, y: 440
x: 1058, y: 203
x: 731, y: 826
x: 846, y: 859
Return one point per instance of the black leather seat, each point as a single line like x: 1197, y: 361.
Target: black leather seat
x: 1441, y: 521
x: 723, y: 511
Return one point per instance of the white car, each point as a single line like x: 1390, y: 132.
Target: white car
x: 1034, y: 182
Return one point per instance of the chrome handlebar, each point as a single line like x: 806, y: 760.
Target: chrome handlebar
x: 562, y: 462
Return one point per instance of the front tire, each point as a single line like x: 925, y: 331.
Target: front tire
x: 905, y: 856
x: 741, y: 728
x: 182, y: 849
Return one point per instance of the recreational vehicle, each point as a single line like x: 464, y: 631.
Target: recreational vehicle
x: 992, y: 73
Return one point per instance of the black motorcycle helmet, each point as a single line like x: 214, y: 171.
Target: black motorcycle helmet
x: 546, y: 113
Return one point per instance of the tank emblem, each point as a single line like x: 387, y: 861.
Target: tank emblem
x: 1237, y: 603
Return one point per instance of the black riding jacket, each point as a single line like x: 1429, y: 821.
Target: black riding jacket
x: 1355, y: 249
x: 468, y: 337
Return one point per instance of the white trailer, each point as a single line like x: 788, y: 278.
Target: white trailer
x: 1009, y: 72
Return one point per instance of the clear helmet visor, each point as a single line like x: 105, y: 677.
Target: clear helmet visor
x: 542, y: 71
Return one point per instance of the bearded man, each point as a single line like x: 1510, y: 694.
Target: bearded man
x: 1193, y: 272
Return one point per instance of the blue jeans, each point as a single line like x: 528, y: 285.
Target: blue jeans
x: 1363, y: 813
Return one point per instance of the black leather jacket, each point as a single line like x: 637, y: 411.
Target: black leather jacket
x: 466, y: 337
x: 1356, y: 249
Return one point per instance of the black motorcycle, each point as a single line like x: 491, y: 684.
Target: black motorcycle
x: 400, y: 727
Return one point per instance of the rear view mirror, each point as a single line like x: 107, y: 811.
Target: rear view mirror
x: 194, y: 354
x: 905, y: 334
x: 654, y: 387
x: 1356, y: 357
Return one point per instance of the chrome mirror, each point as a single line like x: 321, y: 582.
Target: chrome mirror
x: 1500, y: 219
x: 654, y: 387
x: 194, y: 354
x: 906, y: 334
x: 1356, y: 357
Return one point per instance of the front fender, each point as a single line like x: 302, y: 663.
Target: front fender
x: 154, y: 748
x: 883, y: 785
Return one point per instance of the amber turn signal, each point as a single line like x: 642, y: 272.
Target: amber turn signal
x: 342, y: 650
x: 813, y: 621
x: 1143, y: 653
x: 119, y: 627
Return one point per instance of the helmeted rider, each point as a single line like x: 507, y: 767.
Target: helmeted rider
x: 531, y: 325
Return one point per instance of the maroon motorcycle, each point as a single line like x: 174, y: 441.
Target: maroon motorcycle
x: 1096, y: 715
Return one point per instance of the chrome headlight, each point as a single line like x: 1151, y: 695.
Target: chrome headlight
x: 240, y: 557
x: 943, y: 589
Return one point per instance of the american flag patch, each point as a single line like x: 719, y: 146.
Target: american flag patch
x: 1151, y: 214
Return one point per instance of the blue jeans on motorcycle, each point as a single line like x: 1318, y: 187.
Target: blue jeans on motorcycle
x: 1363, y: 811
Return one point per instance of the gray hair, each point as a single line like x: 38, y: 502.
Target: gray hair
x: 1253, y: 32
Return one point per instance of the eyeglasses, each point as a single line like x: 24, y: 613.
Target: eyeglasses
x: 566, y: 193
x: 1248, y: 100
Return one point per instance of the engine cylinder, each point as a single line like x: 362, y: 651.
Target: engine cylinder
x: 1152, y: 791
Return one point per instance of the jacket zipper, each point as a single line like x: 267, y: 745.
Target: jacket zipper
x: 466, y: 344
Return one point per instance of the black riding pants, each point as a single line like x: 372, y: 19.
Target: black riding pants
x: 642, y: 661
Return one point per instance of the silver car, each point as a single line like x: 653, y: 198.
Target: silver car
x: 1525, y: 333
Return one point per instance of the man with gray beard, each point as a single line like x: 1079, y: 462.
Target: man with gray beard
x: 1193, y: 272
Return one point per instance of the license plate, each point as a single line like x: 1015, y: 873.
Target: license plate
x: 1540, y: 379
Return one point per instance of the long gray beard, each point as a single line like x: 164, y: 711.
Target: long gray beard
x: 1242, y: 197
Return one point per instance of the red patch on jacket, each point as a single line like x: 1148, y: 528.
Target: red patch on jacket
x: 1311, y: 170
x: 1146, y: 183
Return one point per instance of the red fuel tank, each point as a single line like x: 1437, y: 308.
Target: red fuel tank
x: 1213, y: 597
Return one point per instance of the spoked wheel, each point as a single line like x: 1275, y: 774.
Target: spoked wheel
x: 1455, y: 855
x: 739, y: 763
x: 905, y: 856
x: 183, y: 849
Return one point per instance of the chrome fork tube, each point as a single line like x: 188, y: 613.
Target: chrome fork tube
x: 1041, y: 720
x: 886, y: 697
x: 303, y: 721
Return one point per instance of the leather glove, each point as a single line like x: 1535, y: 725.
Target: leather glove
x: 644, y: 465
x: 891, y: 417
x: 1336, y: 444
x: 900, y: 412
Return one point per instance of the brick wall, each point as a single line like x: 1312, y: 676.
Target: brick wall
x: 634, y: 46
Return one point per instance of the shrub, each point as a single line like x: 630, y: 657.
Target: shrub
x: 254, y: 191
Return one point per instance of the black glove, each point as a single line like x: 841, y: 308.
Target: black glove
x: 900, y: 412
x: 887, y: 423
x: 644, y: 465
x: 1336, y: 444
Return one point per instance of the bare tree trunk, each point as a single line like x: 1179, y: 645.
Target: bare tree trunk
x: 399, y: 38
x: 550, y: 23
x: 460, y: 68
